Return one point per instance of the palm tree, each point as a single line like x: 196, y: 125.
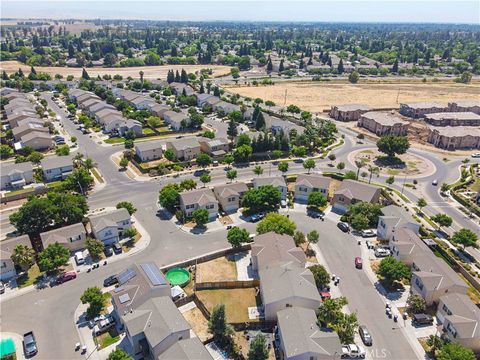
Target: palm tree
x: 360, y: 164
x: 141, y: 77
x: 258, y: 170
x: 23, y: 256
x: 372, y: 170
x: 89, y: 163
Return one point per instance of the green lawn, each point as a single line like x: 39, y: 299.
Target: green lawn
x: 114, y: 140
x: 55, y: 184
x: 107, y: 339
x: 148, y: 131
x: 19, y: 191
x: 97, y: 175
x: 30, y: 277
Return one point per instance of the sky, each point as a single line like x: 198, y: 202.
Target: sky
x: 429, y: 11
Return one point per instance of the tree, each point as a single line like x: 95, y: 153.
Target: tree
x: 119, y: 354
x: 35, y: 157
x: 203, y: 160
x: 93, y: 296
x: 353, y: 77
x: 243, y: 153
x: 442, y: 219
x: 23, y: 256
x: 321, y: 276
x: 94, y: 247
x: 416, y: 304
x: 351, y: 175
x: 217, y: 325
x: 393, y: 145
x: 229, y: 159
x: 5, y: 151
x: 341, y: 165
x: 299, y: 238
x: 345, y: 327
x: 231, y: 175
x: 170, y: 155
x: 421, y: 203
x: 127, y: 205
x: 154, y: 121
x: 258, y: 170
x: 395, y: 66
x: 209, y: 134
x: 85, y: 75
x: 317, y: 200
x: 283, y: 166
x: 200, y: 216
x: 277, y: 223
x: 130, y: 232
x: 330, y: 310
x: 466, y: 77
x: 232, y: 130
x: 237, y: 236
x: 188, y: 184
x: 393, y: 270
x: 79, y: 180
x: 129, y: 143
x: 465, y: 237
x: 261, y: 198
x: 435, y: 342
x: 260, y: 121
x: 62, y: 150
x: 372, y: 170
x: 340, y: 67
x: 454, y: 351
x: 312, y: 237
x: 258, y: 348
x: 169, y: 196
x: 205, y: 178
x: 243, y: 139
x: 124, y: 162
x: 360, y: 222
x: 309, y: 164
x: 53, y: 257
x: 369, y: 210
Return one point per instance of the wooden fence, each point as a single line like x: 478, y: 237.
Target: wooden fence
x: 236, y: 284
x: 23, y: 195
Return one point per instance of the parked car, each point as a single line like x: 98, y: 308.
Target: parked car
x: 79, y: 259
x: 422, y: 319
x: 257, y: 217
x: 358, y: 262
x: 344, y: 227
x: 283, y: 203
x: 103, y: 325
x: 29, y: 344
x: 117, y: 248
x: 353, y: 351
x: 365, y: 335
x: 96, y: 320
x: 111, y: 280
x: 435, y: 182
x: 325, y: 295
x: 368, y: 233
x: 108, y: 251
x: 382, y: 252
x: 476, y: 155
x: 2, y: 288
x: 69, y: 275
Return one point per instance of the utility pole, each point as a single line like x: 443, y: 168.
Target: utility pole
x: 285, y: 98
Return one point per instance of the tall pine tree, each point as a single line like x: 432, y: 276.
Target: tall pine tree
x: 260, y: 123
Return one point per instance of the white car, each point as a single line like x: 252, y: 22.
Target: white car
x: 476, y: 155
x: 353, y: 351
x: 103, y: 325
x: 368, y: 233
x: 381, y: 252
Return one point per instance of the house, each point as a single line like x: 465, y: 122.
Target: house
x: 15, y: 176
x: 83, y: 99
x: 13, y: 108
x: 393, y: 218
x: 211, y: 102
x: 302, y: 339
x: 5, y: 91
x: 285, y: 286
x: 383, y: 123
x: 75, y: 93
x: 186, y: 349
x: 7, y: 267
x: 271, y: 249
x: 455, y: 137
x: 129, y: 96
x: 453, y: 119
x: 466, y: 105
x: 226, y: 107
x: 105, y: 114
x: 351, y: 192
x: 72, y: 236
x: 30, y: 120
x: 199, y: 199
x: 217, y: 147
x: 177, y: 120
x: 142, y: 102
x: 158, y: 109
x: 130, y: 125
x: 25, y: 129
x: 89, y: 103
x: 14, y: 119
x: 108, y: 226
x: 275, y: 181
x: 179, y: 88
x: 308, y: 183
x: 348, y: 112
x: 405, y: 245
x: 433, y: 278
x: 37, y: 140
x: 185, y: 148
x: 101, y: 105
x: 229, y: 195
x: 148, y: 150
x: 278, y: 126
x: 56, y: 167
x: 419, y: 109
x: 460, y: 319
x: 202, y: 98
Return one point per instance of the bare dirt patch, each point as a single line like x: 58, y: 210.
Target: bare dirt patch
x: 319, y: 96
x: 150, y: 72
x: 198, y: 322
x: 220, y: 269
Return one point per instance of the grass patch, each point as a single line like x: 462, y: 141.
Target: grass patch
x: 148, y: 131
x: 32, y: 276
x: 236, y: 301
x: 114, y: 140
x: 107, y: 339
x: 220, y: 269
x: 19, y: 191
x: 367, y: 152
x: 393, y: 171
x: 55, y: 184
x: 97, y: 175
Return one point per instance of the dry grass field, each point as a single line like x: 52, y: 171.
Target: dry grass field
x: 150, y: 72
x: 319, y: 96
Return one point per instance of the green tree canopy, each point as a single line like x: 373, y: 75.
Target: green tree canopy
x: 258, y: 348
x: 465, y: 237
x: 217, y: 325
x: 321, y: 276
x: 93, y: 296
x: 23, y: 256
x: 393, y: 145
x: 242, y: 153
x: 169, y: 196
x: 317, y: 200
x: 454, y: 351
x: 53, y: 257
x: 119, y: 354
x: 95, y: 247
x: 393, y: 270
x: 277, y: 223
x: 200, y: 216
x: 203, y: 160
x: 442, y: 219
x: 261, y: 198
x: 127, y: 205
x: 237, y: 236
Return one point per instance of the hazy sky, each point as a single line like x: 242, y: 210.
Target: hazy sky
x: 336, y: 11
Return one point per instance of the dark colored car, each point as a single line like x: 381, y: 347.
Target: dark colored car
x: 117, y: 248
x: 70, y: 275
x: 111, y: 280
x: 108, y: 251
x: 422, y: 319
x: 365, y: 335
x: 343, y: 226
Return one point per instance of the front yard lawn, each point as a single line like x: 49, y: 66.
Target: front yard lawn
x: 30, y: 277
x: 107, y: 339
x: 148, y: 131
x: 114, y: 140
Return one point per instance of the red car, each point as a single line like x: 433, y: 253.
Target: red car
x: 358, y: 262
x: 70, y: 275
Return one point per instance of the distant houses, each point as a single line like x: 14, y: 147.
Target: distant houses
x: 383, y: 123
x: 419, y: 109
x: 348, y: 112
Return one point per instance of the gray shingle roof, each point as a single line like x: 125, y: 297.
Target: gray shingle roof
x: 62, y: 235
x: 186, y: 349
x: 11, y: 168
x: 353, y: 107
x: 226, y: 190
x: 198, y: 196
x: 148, y: 145
x: 356, y: 190
x: 108, y: 218
x: 313, y: 181
x: 273, y: 249
x: 7, y: 245
x: 53, y: 162
x: 384, y: 118
x: 185, y: 143
x: 274, y: 181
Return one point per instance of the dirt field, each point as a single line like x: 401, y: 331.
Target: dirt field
x: 221, y: 269
x: 150, y: 72
x: 198, y: 322
x: 319, y: 96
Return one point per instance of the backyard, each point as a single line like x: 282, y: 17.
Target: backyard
x: 220, y: 269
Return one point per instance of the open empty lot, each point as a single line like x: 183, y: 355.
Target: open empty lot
x: 319, y: 96
x: 150, y: 72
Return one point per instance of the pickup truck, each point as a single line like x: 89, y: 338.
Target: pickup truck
x: 353, y: 351
x: 29, y: 344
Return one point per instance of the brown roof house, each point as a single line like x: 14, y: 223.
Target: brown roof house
x: 199, y: 199
x: 348, y: 112
x: 217, y: 147
x: 275, y: 181
x: 7, y: 267
x: 406, y: 246
x: 394, y: 218
x: 229, y: 195
x: 72, y: 236
x: 453, y: 119
x: 184, y: 149
x: 383, y: 123
x: 351, y: 192
x: 308, y: 183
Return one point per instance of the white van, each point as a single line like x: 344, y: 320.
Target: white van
x: 79, y: 259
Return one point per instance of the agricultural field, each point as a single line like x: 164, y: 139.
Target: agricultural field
x: 320, y: 96
x: 150, y: 72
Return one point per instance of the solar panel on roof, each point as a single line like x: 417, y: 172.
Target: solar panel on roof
x: 154, y: 274
x: 126, y: 275
x: 124, y: 298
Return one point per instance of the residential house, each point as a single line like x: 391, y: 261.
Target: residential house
x: 142, y: 102
x: 203, y: 198
x: 37, y: 140
x: 348, y: 112
x: 108, y: 226
x: 463, y: 106
x: 7, y: 267
x: 383, y: 123
x: 85, y: 106
x: 186, y: 349
x: 30, y: 120
x: 455, y: 137
x: 72, y: 236
x: 177, y: 120
x: 460, y: 319
x: 405, y: 245
x: 217, y: 147
x: 285, y: 286
x: 278, y: 126
x: 202, y: 98
x: 229, y: 195
x: 453, y: 119
x: 14, y: 119
x: 226, y: 107
x: 75, y: 93
x: 25, y: 129
x: 5, y: 91
x: 351, y: 192
x: 308, y: 183
x: 302, y: 339
x: 104, y: 115
x: 419, y: 109
x: 56, y: 168
x: 99, y: 106
x: 148, y: 150
x: 393, y: 218
x: 83, y: 99
x: 15, y: 176
x: 275, y: 181
x: 13, y: 108
x: 211, y: 102
x: 158, y: 109
x: 179, y: 88
x: 433, y: 278
x: 271, y: 249
x: 130, y: 125
x: 185, y: 148
x: 129, y: 96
